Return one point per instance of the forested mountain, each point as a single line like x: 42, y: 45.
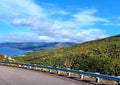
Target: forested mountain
x: 101, y: 56
x: 36, y: 46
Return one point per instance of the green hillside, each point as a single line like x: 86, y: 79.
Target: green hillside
x: 101, y: 56
x: 1, y: 57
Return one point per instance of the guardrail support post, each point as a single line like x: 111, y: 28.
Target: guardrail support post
x: 42, y: 69
x: 58, y: 72
x: 97, y: 79
x: 118, y: 83
x: 25, y: 66
x: 81, y: 76
x: 36, y: 68
x: 30, y: 67
x: 50, y: 70
x: 19, y: 66
x: 69, y: 74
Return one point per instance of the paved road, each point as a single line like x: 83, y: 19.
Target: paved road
x: 18, y: 76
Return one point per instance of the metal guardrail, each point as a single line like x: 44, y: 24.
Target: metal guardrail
x: 69, y: 71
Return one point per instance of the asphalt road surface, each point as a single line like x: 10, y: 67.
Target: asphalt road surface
x: 18, y: 76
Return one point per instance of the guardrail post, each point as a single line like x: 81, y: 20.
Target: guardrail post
x: 68, y: 73
x: 118, y: 81
x: 97, y: 78
x: 50, y: 70
x: 24, y: 66
x: 30, y: 67
x: 81, y: 76
x: 19, y: 66
x: 58, y: 71
x: 42, y: 69
x: 36, y: 68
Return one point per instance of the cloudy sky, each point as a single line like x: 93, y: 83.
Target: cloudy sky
x: 58, y: 20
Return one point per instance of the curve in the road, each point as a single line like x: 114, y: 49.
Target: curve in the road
x: 17, y: 76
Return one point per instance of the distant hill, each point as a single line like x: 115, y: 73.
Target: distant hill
x: 101, y: 55
x: 36, y: 46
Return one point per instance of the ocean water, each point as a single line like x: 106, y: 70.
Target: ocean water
x: 11, y: 51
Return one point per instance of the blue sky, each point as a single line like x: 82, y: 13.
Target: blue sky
x: 58, y: 20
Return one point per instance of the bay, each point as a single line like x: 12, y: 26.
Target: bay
x: 11, y: 51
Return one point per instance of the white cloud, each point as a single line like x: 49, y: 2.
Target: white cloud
x: 18, y: 38
x: 24, y: 21
x: 28, y: 13
x: 21, y: 8
x: 87, y: 17
x: 46, y: 39
x: 58, y: 12
x: 58, y: 30
x: 112, y: 22
x: 82, y: 36
x: 90, y: 34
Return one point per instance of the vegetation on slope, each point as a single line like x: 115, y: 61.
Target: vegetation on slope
x: 1, y: 57
x: 101, y: 56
